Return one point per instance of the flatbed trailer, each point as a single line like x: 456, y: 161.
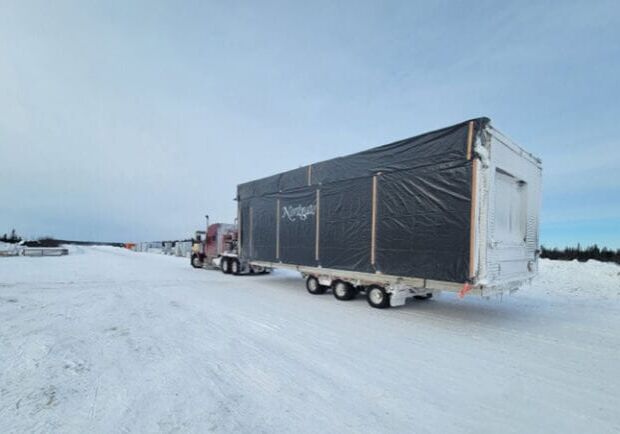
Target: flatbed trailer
x: 456, y: 209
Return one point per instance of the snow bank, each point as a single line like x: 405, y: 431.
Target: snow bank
x: 8, y: 249
x: 573, y: 278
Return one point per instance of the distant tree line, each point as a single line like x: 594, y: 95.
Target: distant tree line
x: 13, y: 238
x: 581, y: 254
x: 48, y: 241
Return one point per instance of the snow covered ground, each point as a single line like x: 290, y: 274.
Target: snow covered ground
x: 108, y: 340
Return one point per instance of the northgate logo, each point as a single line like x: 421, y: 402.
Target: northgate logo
x: 299, y: 212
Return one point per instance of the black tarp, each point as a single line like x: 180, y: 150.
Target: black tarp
x: 422, y: 217
x: 263, y: 229
x: 298, y: 226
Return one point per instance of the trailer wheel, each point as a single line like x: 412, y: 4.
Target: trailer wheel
x: 343, y: 290
x: 424, y: 297
x: 235, y: 267
x: 377, y: 297
x: 225, y: 265
x: 196, y: 261
x: 314, y: 287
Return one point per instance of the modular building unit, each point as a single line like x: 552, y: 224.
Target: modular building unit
x: 453, y: 209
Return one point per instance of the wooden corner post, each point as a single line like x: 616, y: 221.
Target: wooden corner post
x: 474, y: 198
x: 470, y: 139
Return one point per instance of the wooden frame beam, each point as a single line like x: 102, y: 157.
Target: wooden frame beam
x: 470, y: 139
x: 318, y: 219
x: 373, y: 224
x: 472, y: 218
x: 278, y: 229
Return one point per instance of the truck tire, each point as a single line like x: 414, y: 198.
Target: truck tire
x: 225, y: 265
x: 196, y: 261
x: 235, y: 267
x: 424, y: 297
x: 314, y: 287
x: 377, y: 297
x: 343, y: 290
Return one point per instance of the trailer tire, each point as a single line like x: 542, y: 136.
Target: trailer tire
x: 343, y: 290
x: 377, y: 297
x: 196, y: 261
x: 314, y: 287
x: 225, y: 265
x: 235, y: 267
x: 424, y: 297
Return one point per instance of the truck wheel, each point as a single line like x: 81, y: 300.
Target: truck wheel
x: 343, y: 290
x: 196, y: 262
x: 424, y: 297
x: 314, y: 287
x: 377, y: 297
x: 235, y: 267
x: 225, y: 266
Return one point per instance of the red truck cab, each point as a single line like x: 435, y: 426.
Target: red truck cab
x: 218, y: 239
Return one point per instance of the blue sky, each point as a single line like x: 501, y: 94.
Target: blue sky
x: 131, y: 120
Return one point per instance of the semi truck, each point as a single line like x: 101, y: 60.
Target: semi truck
x: 455, y: 209
x: 217, y: 248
